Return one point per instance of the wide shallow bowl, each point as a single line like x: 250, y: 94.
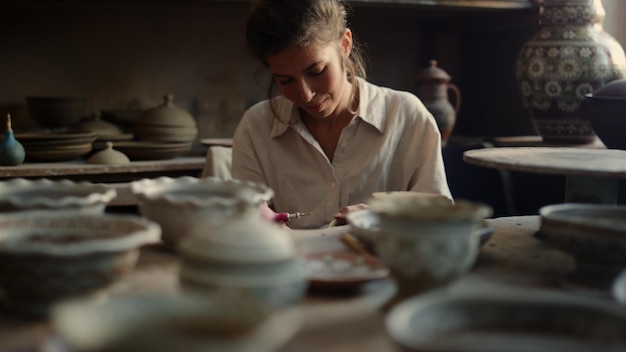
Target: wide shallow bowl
x: 342, y: 270
x: 184, y: 204
x: 47, y: 256
x: 78, y: 197
x: 56, y: 112
x: 595, y: 234
x: 166, y: 323
x: 520, y: 320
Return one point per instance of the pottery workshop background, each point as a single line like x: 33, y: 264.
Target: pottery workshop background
x: 127, y: 55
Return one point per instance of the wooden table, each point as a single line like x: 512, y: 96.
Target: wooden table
x: 117, y: 176
x: 592, y: 175
x: 338, y: 322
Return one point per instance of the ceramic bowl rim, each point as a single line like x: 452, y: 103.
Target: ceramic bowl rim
x: 143, y: 232
x: 97, y: 193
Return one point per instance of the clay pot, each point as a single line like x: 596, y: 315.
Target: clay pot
x: 172, y: 124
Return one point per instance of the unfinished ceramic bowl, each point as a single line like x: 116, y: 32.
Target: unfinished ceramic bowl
x: 166, y: 323
x: 595, y: 234
x: 48, y: 256
x: 78, y: 197
x: 56, y: 112
x: 426, y: 242
x: 521, y: 320
x: 184, y: 204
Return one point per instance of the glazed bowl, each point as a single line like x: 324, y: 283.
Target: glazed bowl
x: 426, y: 242
x: 48, y: 256
x: 365, y: 226
x: 44, y: 194
x: 56, y: 112
x: 606, y: 111
x: 181, y: 205
x: 165, y: 323
x: 594, y: 234
x: 513, y: 319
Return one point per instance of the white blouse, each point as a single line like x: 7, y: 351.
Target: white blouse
x: 393, y: 144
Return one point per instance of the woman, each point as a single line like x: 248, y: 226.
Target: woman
x: 331, y: 138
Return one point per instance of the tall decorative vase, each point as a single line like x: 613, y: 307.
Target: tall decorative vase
x: 569, y: 56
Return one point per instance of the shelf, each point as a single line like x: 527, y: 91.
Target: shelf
x: 195, y: 4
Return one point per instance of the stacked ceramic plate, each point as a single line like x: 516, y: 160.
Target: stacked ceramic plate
x: 55, y: 146
x: 146, y: 150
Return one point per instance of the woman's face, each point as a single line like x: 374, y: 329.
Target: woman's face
x: 313, y: 77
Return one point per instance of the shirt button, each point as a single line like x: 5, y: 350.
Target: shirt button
x: 333, y: 185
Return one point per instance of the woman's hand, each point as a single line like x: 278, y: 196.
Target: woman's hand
x: 270, y: 215
x: 340, y: 216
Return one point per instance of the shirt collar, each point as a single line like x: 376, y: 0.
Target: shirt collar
x: 371, y: 108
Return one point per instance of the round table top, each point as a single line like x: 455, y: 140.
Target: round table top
x: 552, y: 160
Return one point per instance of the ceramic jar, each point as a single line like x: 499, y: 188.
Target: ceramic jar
x: 426, y: 242
x: 568, y: 57
x: 245, y: 256
x: 166, y: 123
x: 433, y: 91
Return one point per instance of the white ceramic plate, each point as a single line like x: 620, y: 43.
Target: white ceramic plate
x: 512, y: 320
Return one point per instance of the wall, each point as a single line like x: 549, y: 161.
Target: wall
x: 127, y: 55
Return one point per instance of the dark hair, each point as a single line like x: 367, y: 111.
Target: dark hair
x: 274, y: 25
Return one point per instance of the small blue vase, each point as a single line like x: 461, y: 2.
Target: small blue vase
x: 11, y: 150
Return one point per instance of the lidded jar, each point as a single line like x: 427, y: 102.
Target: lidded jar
x: 433, y: 91
x: 247, y: 256
x: 166, y: 123
x: 568, y: 57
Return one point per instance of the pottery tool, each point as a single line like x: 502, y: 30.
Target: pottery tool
x: 355, y: 244
x: 285, y: 217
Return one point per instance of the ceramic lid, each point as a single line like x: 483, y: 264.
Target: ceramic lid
x: 615, y: 88
x: 167, y: 114
x: 109, y: 156
x: 244, y: 239
x: 98, y: 127
x: 433, y: 73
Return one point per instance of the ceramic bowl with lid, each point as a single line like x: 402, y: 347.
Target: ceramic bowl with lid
x: 48, y: 256
x: 181, y: 205
x: 166, y: 123
x: 606, y: 111
x: 245, y: 256
x: 78, y: 197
